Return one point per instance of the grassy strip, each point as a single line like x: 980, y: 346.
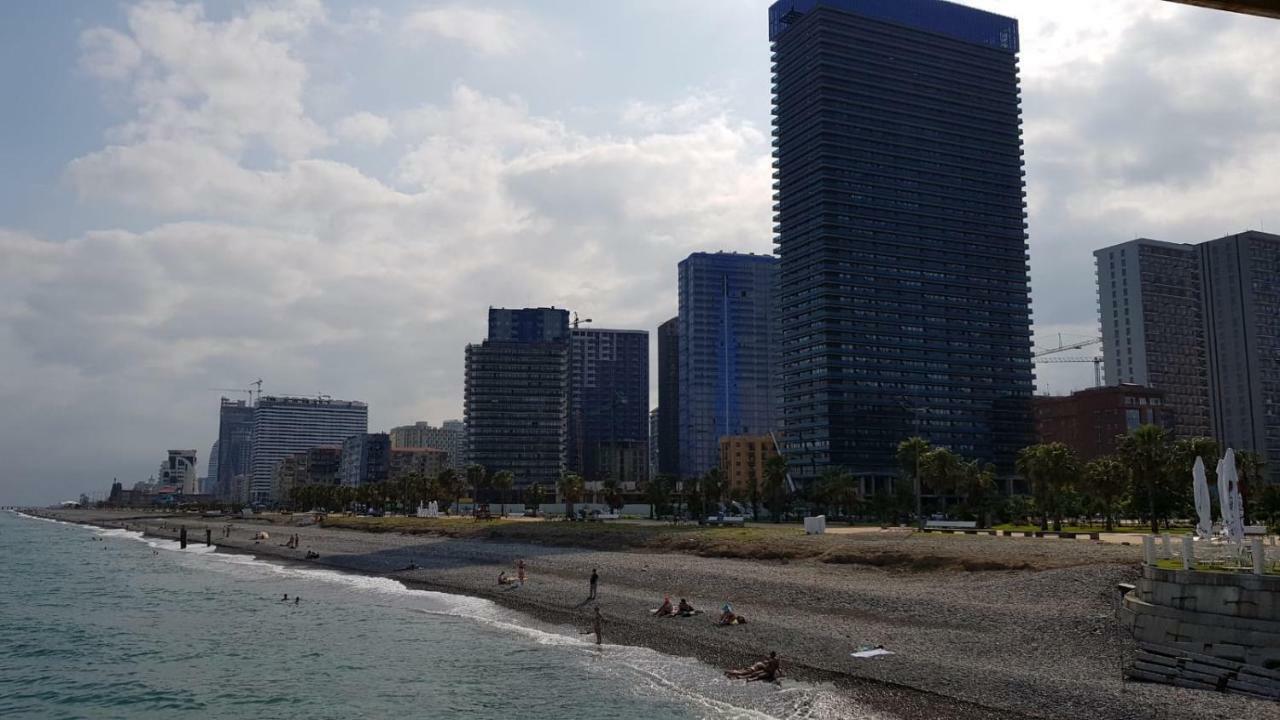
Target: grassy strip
x: 752, y: 543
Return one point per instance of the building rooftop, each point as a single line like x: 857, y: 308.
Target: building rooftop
x: 937, y: 16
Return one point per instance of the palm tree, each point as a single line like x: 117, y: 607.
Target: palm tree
x: 976, y: 482
x: 775, y: 486
x: 612, y: 494
x: 477, y: 479
x: 503, y: 481
x: 910, y: 452
x: 1051, y: 468
x: 534, y: 497
x: 1145, y: 453
x: 449, y: 485
x: 838, y: 489
x: 941, y: 471
x: 570, y: 487
x: 657, y: 492
x: 1104, y: 481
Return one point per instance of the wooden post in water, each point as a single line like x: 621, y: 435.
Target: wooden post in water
x: 182, y: 537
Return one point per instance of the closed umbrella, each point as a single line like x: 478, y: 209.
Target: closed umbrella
x: 1204, y: 506
x: 1228, y: 495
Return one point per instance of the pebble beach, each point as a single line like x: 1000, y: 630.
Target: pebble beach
x: 1040, y: 642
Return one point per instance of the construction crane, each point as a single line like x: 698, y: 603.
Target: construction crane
x: 576, y: 322
x: 246, y: 391
x: 1097, y: 365
x: 1043, y: 355
x: 1063, y: 347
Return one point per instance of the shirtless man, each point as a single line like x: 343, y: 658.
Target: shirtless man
x: 768, y: 670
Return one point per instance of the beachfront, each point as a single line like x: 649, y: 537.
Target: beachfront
x: 1028, y: 630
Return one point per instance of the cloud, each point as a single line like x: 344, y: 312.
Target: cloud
x: 485, y: 31
x: 108, y: 54
x: 223, y: 84
x: 364, y: 128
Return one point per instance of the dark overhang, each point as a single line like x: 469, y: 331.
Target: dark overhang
x: 1263, y: 8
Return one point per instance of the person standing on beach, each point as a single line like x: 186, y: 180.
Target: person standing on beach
x: 595, y: 580
x: 520, y: 571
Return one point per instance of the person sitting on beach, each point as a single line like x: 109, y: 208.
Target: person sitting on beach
x: 504, y: 580
x: 768, y: 670
x: 665, y: 609
x: 728, y: 617
x: 685, y: 608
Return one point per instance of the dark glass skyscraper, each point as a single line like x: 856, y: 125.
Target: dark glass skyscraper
x: 727, y: 352
x: 900, y: 222
x: 517, y: 395
x: 669, y: 397
x: 609, y: 404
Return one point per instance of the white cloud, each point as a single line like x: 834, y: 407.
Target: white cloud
x: 484, y: 30
x: 364, y: 128
x: 108, y: 54
x: 222, y: 84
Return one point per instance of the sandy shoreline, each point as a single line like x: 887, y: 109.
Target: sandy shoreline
x: 999, y: 644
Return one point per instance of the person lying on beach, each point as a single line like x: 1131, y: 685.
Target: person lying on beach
x: 665, y: 609
x: 504, y: 580
x: 768, y: 670
x: 685, y: 609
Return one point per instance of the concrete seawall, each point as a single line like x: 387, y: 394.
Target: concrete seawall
x: 1203, y: 629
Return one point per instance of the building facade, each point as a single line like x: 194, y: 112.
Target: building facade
x: 451, y: 437
x: 608, y: 405
x: 1242, y: 341
x: 528, y: 325
x: 283, y: 426
x: 1089, y: 421
x: 179, y: 471
x: 654, y: 420
x: 406, y: 462
x: 516, y: 397
x: 669, y: 397
x: 211, y: 474
x: 901, y: 228
x: 1151, y: 308
x: 728, y: 351
x: 235, y: 447
x: 366, y: 459
x: 742, y: 459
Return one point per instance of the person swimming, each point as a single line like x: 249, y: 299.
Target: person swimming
x: 285, y: 598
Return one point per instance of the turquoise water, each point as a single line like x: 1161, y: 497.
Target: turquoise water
x: 105, y: 624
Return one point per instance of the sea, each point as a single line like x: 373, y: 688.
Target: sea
x: 106, y: 623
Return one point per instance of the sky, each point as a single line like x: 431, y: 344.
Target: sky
x: 329, y: 195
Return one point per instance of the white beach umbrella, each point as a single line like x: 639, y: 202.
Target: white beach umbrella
x: 1228, y: 495
x: 1204, y: 506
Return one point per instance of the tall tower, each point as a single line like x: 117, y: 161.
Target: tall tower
x: 516, y: 397
x: 901, y: 230
x: 727, y: 353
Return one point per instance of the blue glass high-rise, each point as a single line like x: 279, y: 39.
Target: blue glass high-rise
x: 901, y: 227
x: 728, y: 346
